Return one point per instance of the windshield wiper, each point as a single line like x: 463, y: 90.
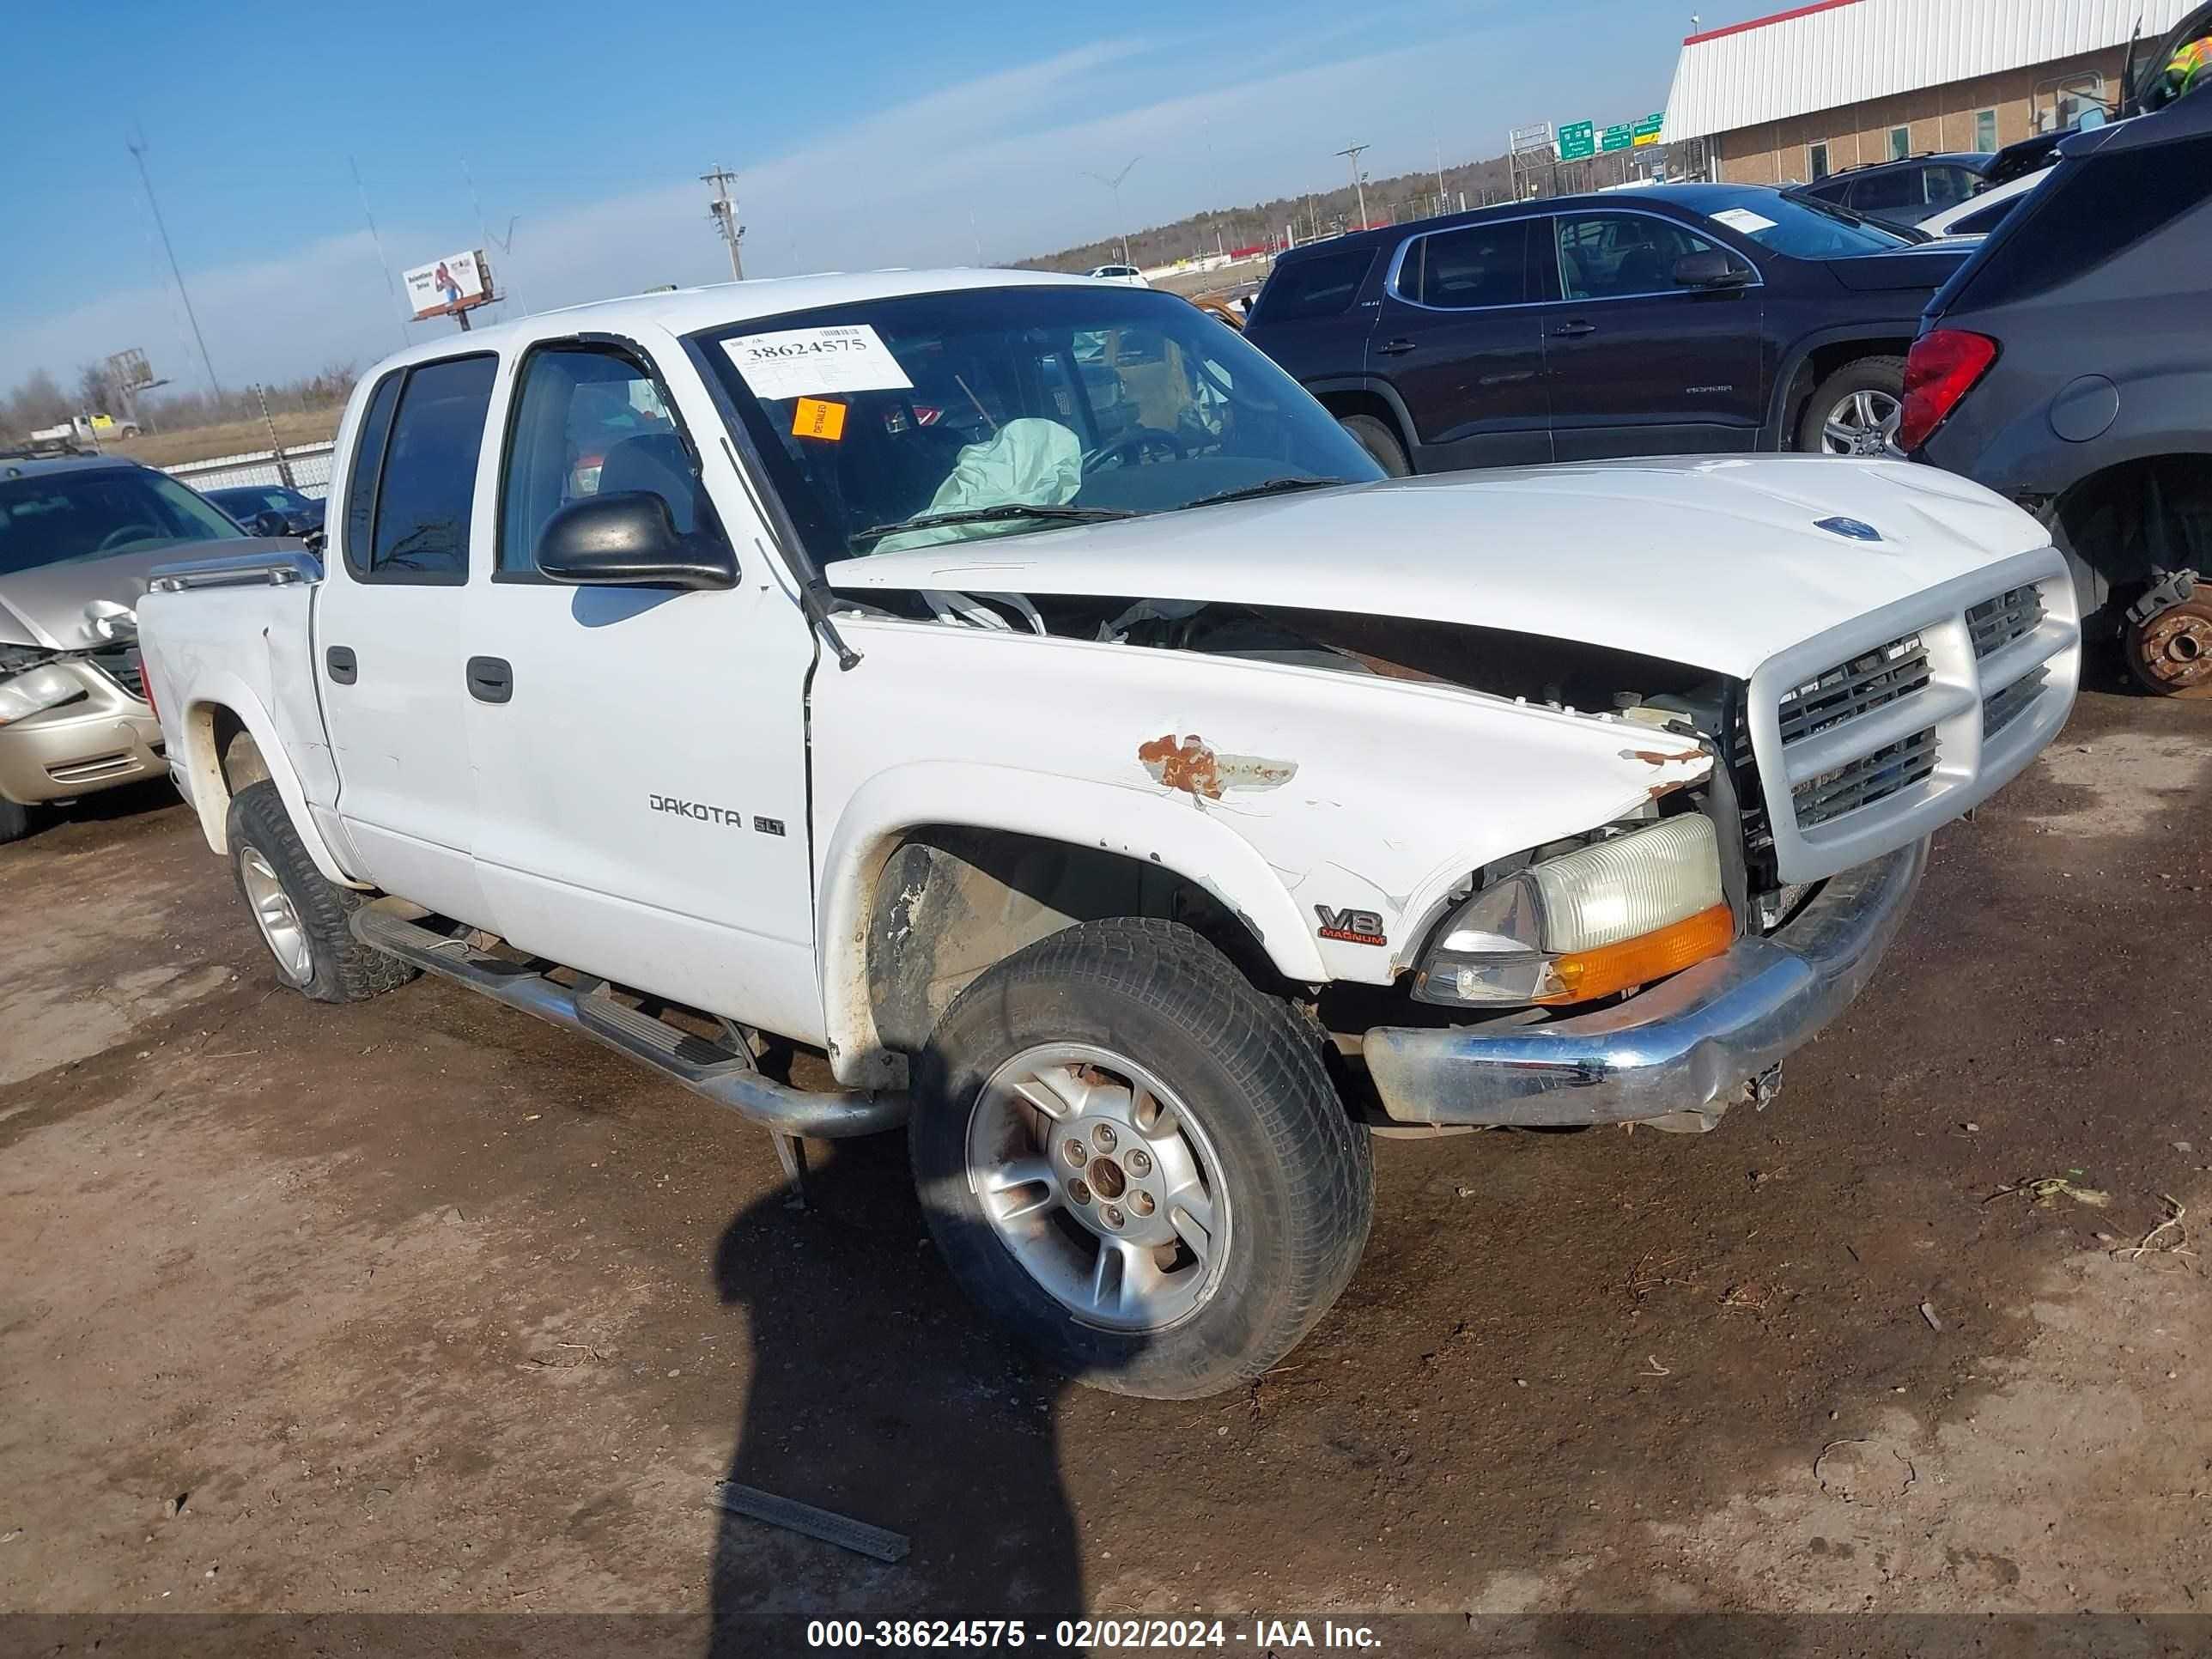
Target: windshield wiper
x: 1266, y: 486
x: 1005, y: 513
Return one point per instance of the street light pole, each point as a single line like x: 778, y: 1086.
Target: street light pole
x: 1352, y: 153
x: 1115, y: 185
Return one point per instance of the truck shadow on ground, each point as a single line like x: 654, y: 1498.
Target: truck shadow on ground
x: 879, y: 1392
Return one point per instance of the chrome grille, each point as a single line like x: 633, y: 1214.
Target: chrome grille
x: 1996, y: 623
x: 1861, y: 782
x: 1854, y: 688
x: 2001, y: 707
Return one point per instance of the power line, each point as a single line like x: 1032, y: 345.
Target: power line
x: 137, y: 148
x: 377, y: 239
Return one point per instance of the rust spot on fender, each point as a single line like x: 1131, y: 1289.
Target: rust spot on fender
x: 1190, y: 764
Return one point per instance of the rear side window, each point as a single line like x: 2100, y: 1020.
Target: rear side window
x: 1324, y: 285
x: 1468, y: 269
x: 425, y: 492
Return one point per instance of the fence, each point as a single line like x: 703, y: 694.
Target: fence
x: 310, y: 464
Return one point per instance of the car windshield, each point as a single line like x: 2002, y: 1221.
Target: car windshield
x: 60, y: 516
x: 952, y: 412
x: 1802, y: 227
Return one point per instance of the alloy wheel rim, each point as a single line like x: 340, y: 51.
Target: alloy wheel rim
x: 275, y: 914
x: 1863, y: 423
x: 1101, y: 1184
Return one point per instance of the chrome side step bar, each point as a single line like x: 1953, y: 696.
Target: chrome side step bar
x: 720, y: 1071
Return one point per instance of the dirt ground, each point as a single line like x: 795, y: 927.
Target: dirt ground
x: 418, y: 1305
x: 205, y: 443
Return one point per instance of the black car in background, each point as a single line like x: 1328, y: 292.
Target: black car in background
x: 2069, y: 365
x: 1901, y: 193
x: 268, y: 509
x: 1682, y: 318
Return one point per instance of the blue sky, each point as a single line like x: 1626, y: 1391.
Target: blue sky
x: 866, y: 134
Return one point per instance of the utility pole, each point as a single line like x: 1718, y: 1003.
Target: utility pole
x: 137, y: 149
x: 722, y: 208
x: 1352, y: 153
x: 1115, y: 185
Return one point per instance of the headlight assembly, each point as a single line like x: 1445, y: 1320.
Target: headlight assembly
x: 1619, y: 913
x: 35, y: 692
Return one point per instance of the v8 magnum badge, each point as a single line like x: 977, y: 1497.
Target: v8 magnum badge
x: 1353, y: 926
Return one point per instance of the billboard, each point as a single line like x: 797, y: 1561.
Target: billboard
x: 452, y: 284
x: 1535, y: 136
x: 1577, y: 140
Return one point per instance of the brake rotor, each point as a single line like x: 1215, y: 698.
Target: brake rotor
x: 2172, y: 652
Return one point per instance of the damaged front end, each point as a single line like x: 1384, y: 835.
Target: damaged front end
x: 73, y: 721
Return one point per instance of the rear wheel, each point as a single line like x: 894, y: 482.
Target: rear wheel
x: 1379, y: 441
x: 2171, y: 653
x: 1136, y: 1161
x: 15, y: 821
x: 1856, y: 410
x: 302, y: 914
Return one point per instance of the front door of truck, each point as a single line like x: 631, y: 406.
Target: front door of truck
x: 643, y: 766
x: 393, y: 632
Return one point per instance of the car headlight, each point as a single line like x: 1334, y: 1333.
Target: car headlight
x: 35, y: 692
x: 1619, y: 913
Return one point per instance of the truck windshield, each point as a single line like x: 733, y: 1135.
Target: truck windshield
x: 56, y: 518
x: 1802, y: 227
x: 952, y: 411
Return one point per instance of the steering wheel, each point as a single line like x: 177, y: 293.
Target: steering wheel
x: 127, y: 532
x: 1132, y: 447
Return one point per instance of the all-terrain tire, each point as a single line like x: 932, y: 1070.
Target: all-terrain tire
x: 342, y: 969
x: 1377, y: 438
x: 1295, y: 1172
x: 15, y: 821
x: 1883, y: 377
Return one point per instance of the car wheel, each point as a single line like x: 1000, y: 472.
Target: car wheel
x: 304, y: 916
x: 15, y: 821
x: 1380, y: 442
x: 1856, y: 410
x: 1136, y: 1162
x: 2171, y: 653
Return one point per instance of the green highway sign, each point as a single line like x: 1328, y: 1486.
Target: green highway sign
x: 1647, y: 130
x: 1619, y: 137
x: 1577, y: 140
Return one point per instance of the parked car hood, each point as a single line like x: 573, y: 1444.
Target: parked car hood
x: 44, y: 607
x: 1714, y: 561
x: 1928, y: 265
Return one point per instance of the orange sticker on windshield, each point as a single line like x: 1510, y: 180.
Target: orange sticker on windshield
x: 817, y: 417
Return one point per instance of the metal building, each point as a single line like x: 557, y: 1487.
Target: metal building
x: 1842, y: 83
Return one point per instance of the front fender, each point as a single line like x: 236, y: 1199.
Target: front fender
x: 204, y: 785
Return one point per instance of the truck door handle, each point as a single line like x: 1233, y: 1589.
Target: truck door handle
x: 1568, y: 331
x: 1395, y: 348
x: 344, y: 667
x: 491, y: 679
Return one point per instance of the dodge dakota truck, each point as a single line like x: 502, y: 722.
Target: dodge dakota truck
x: 1009, y: 706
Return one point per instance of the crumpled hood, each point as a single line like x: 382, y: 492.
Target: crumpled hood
x: 1714, y: 561
x: 45, y: 606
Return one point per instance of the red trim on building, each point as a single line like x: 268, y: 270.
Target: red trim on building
x: 1761, y: 22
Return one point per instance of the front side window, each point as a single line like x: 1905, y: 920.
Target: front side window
x: 426, y: 495
x: 1948, y: 187
x: 1470, y: 267
x: 587, y: 421
x: 924, y: 418
x: 1611, y: 256
x: 1890, y: 192
x: 62, y: 517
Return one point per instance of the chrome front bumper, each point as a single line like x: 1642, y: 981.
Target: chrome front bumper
x: 1686, y: 1046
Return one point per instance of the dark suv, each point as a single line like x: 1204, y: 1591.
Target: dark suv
x: 1900, y: 194
x: 1678, y: 320
x: 2069, y: 365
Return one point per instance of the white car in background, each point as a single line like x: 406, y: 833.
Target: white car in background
x: 1978, y: 216
x: 1128, y: 275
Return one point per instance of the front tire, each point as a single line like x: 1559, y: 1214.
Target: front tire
x: 1856, y: 410
x: 1136, y: 1161
x: 15, y: 821
x: 303, y: 915
x: 1377, y: 438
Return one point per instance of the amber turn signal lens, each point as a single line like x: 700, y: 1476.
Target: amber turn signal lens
x: 1590, y: 974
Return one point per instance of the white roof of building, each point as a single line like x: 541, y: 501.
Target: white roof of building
x: 1844, y: 52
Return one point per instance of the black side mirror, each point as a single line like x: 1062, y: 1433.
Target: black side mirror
x: 1709, y: 268
x: 271, y: 522
x: 628, y: 540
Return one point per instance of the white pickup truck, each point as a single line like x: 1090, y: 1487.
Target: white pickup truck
x: 1015, y: 692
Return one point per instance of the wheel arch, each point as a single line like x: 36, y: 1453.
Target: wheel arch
x: 1364, y: 396
x: 229, y: 742
x: 1811, y: 361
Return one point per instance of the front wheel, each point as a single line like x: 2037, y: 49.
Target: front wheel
x: 1136, y: 1162
x: 1856, y: 410
x: 303, y: 915
x: 15, y: 820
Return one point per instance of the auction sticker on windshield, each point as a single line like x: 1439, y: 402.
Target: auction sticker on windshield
x: 1742, y: 219
x: 802, y: 363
